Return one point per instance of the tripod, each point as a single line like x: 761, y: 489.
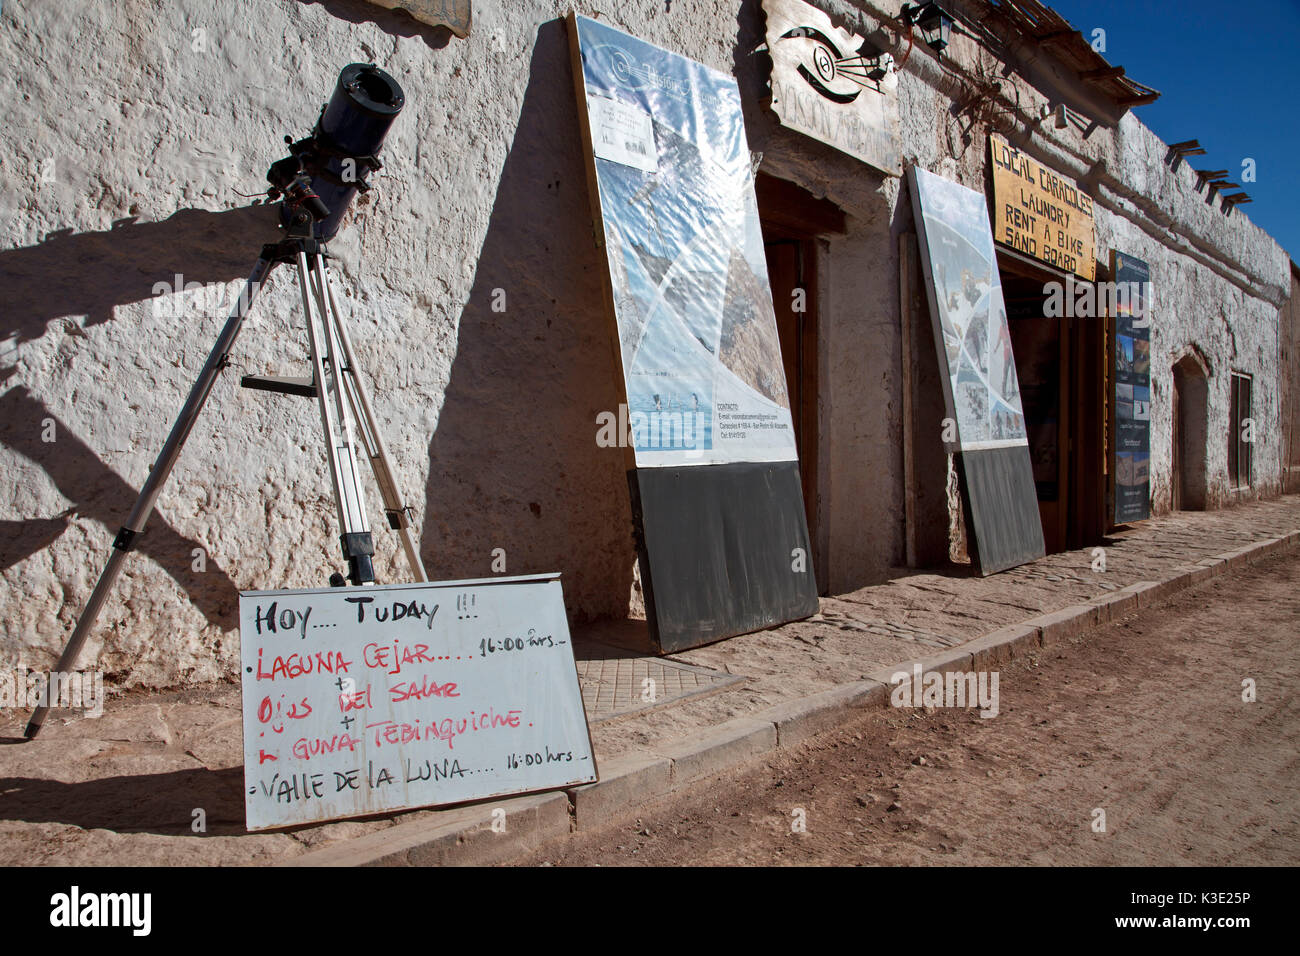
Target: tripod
x: 342, y: 399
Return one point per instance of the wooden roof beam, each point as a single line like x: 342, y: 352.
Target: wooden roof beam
x: 1057, y: 37
x: 1217, y: 186
x: 1108, y: 73
x: 1232, y: 202
x: 1138, y: 99
x: 1180, y: 151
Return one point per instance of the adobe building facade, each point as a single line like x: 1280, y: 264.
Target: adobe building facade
x: 474, y: 289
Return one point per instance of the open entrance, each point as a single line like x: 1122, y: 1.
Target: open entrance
x: 1190, y: 417
x: 792, y: 220
x: 1061, y: 364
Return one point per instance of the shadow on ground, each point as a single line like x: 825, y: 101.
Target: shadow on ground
x: 160, y: 803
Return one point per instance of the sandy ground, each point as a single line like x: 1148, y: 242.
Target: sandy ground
x: 1143, y: 719
x: 916, y: 613
x: 125, y: 788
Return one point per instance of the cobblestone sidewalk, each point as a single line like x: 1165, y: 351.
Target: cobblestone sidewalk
x: 126, y: 788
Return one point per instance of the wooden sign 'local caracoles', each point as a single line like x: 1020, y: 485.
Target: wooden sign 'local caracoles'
x: 1039, y: 212
x: 831, y: 85
x: 455, y: 15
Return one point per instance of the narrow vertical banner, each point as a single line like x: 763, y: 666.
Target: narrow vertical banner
x: 706, y: 425
x: 1132, y: 399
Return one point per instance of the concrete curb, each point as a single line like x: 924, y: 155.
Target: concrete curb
x: 466, y: 835
x: 804, y: 717
x: 720, y: 748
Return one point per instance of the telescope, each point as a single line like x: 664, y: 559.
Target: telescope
x: 323, y: 172
x: 317, y: 181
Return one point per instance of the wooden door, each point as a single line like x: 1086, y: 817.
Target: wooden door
x: 1176, y: 450
x: 791, y: 267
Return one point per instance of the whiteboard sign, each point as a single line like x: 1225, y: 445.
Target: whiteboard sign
x: 366, y: 700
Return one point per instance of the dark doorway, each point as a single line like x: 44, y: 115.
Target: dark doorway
x: 792, y: 268
x: 1060, y: 362
x: 1190, y: 414
x: 792, y: 220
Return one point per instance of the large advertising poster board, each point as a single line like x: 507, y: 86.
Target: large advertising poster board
x: 978, y: 371
x: 983, y: 391
x: 713, y: 470
x: 1132, y: 398
x: 697, y: 332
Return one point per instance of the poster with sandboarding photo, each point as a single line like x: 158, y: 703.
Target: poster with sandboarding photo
x: 978, y: 371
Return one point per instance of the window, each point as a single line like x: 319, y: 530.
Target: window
x: 1242, y: 437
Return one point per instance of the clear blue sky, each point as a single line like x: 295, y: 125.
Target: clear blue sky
x: 1229, y: 76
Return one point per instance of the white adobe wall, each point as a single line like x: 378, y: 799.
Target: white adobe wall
x: 1219, y: 283
x: 491, y: 416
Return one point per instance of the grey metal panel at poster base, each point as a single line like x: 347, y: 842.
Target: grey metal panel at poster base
x: 998, y: 483
x: 1132, y: 445
x: 722, y: 551
x: 708, y: 414
x: 981, y: 387
x: 361, y: 700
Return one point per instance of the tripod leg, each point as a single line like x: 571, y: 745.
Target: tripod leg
x: 358, y: 544
x: 162, y: 467
x: 394, y: 508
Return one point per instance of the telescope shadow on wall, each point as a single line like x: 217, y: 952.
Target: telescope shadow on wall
x: 91, y: 273
x: 112, y: 268
x: 98, y: 492
x: 513, y: 463
x: 396, y: 22
x: 19, y: 540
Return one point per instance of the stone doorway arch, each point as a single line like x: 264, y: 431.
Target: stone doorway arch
x: 1190, y: 432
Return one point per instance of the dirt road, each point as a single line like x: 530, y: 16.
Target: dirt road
x: 1143, y: 720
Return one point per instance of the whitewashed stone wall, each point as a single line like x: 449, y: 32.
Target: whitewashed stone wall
x: 129, y: 128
